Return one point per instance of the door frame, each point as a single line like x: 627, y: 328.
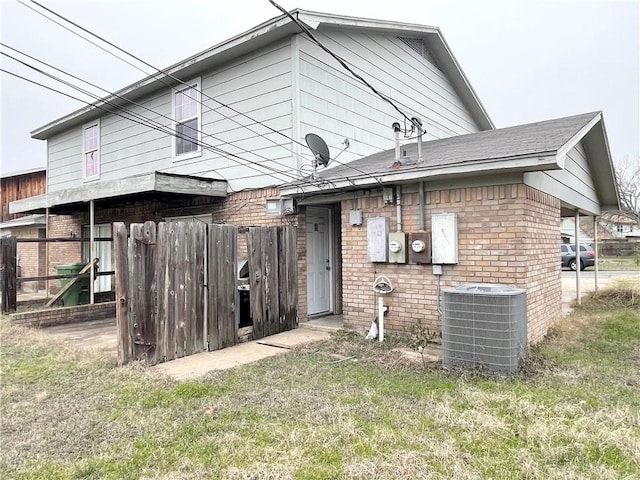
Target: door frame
x: 332, y: 274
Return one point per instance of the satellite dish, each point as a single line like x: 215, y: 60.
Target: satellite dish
x: 319, y: 148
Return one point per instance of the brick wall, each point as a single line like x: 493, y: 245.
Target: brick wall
x: 543, y: 280
x: 64, y: 315
x: 30, y: 256
x: 498, y: 227
x: 63, y: 226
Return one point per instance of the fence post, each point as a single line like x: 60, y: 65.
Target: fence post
x: 8, y: 252
x: 121, y: 264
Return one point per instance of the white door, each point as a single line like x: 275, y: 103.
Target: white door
x: 319, y: 263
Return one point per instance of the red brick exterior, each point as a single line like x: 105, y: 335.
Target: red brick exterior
x: 506, y: 234
x: 31, y: 257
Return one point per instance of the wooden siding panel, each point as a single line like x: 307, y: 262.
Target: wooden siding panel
x: 18, y: 187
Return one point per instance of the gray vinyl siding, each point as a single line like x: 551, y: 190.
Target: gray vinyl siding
x: 258, y: 85
x: 64, y: 160
x: 336, y: 105
x: 294, y: 88
x: 573, y: 185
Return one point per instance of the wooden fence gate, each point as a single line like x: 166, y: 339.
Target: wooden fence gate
x: 177, y: 287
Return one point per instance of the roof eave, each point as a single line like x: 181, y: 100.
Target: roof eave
x: 273, y: 30
x: 272, y: 27
x: 521, y: 164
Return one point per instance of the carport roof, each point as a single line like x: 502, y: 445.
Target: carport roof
x: 522, y: 148
x: 148, y: 183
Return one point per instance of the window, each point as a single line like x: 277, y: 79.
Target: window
x: 187, y: 120
x: 91, y: 151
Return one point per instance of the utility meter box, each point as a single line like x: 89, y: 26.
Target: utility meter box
x: 444, y: 238
x: 377, y: 234
x: 397, y: 247
x: 420, y: 247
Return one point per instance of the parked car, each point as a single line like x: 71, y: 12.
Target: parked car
x: 568, y: 256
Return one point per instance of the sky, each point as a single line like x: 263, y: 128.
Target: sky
x: 527, y: 61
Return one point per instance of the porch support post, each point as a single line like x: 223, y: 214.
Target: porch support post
x: 46, y: 251
x: 596, y: 249
x: 578, y: 260
x: 92, y: 249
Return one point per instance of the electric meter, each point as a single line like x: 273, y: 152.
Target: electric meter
x: 418, y: 246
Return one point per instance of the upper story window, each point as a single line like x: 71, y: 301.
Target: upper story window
x: 187, y: 115
x: 91, y: 150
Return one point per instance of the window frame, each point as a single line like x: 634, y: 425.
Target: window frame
x: 85, y: 127
x: 195, y: 83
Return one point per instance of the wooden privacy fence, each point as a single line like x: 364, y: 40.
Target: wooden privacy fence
x: 8, y: 270
x: 177, y: 287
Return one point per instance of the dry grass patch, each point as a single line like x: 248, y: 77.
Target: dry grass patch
x: 347, y: 408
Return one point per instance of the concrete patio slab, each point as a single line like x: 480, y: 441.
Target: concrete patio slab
x: 200, y: 364
x: 92, y: 335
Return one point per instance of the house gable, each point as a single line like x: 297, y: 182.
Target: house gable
x: 336, y: 106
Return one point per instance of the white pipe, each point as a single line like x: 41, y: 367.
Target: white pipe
x: 595, y: 248
x: 421, y: 205
x: 47, y: 228
x: 380, y: 319
x: 396, y: 138
x: 92, y: 249
x: 398, y: 209
x: 418, y: 125
x: 578, y: 259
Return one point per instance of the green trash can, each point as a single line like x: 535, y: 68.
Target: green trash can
x: 78, y: 293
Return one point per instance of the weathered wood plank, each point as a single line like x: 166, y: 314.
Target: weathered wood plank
x: 162, y: 294
x: 198, y: 301
x: 282, y: 281
x: 213, y: 332
x: 8, y: 251
x: 142, y: 242
x: 291, y: 259
x: 170, y: 322
x: 270, y: 279
x: 254, y: 248
x: 179, y: 287
x: 229, y: 276
x: 189, y: 330
x: 121, y: 265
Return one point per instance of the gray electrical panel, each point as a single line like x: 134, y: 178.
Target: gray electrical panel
x: 444, y: 238
x: 377, y: 234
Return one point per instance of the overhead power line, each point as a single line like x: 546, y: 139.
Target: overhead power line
x: 158, y: 127
x: 143, y: 118
x: 342, y: 62
x: 168, y: 74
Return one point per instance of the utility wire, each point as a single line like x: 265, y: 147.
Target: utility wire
x: 159, y: 127
x: 166, y: 73
x: 284, y: 173
x: 342, y: 62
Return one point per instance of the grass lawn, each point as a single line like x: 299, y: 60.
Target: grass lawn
x: 619, y: 263
x: 573, y: 412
